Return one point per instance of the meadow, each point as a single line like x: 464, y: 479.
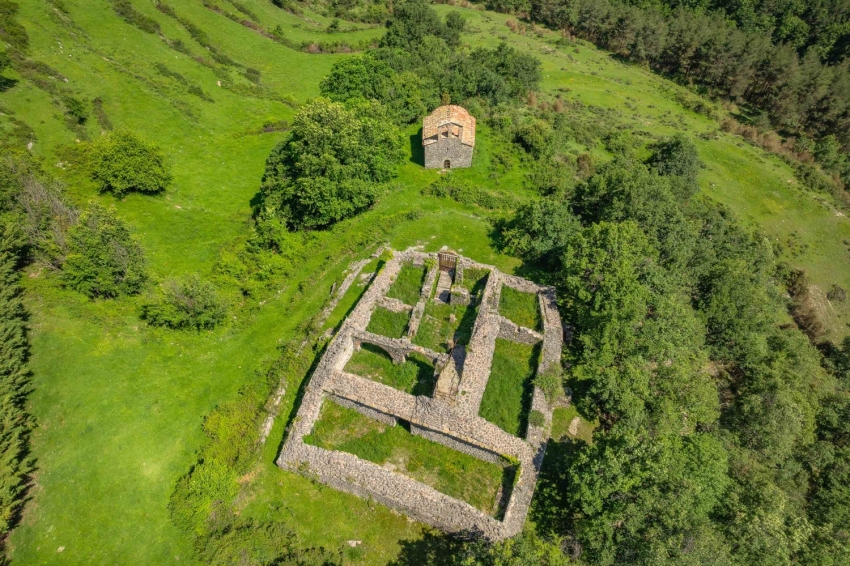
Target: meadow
x: 119, y: 405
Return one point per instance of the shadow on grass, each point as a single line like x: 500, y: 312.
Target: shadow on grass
x: 433, y: 549
x: 549, y: 510
x: 7, y: 84
x: 417, y: 152
x: 353, y: 306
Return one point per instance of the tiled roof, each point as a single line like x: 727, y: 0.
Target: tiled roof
x: 446, y: 115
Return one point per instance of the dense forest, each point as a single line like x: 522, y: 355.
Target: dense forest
x: 785, y: 63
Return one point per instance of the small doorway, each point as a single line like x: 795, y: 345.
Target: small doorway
x: 447, y: 164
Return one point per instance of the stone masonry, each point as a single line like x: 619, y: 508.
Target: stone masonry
x: 450, y: 417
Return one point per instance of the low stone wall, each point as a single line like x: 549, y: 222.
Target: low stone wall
x: 424, y: 295
x: 508, y: 330
x: 364, y: 410
x: 456, y: 444
x: 394, y: 305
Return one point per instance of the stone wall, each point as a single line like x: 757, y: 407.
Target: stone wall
x: 457, y: 444
x: 450, y: 417
x: 451, y: 149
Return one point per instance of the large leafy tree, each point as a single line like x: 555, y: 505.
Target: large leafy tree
x: 332, y: 165
x: 103, y: 260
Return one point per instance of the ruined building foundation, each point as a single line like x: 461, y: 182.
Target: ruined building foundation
x: 449, y: 417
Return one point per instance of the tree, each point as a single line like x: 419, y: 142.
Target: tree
x: 624, y: 190
x: 540, y: 232
x: 188, y: 302
x: 412, y: 22
x: 638, y: 499
x: 332, y: 165
x: 103, y: 260
x: 122, y: 162
x: 15, y: 423
x: 372, y: 78
x: 677, y: 157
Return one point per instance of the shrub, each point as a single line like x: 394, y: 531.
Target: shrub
x: 185, y: 303
x: 551, y: 382
x: 103, y: 260
x: 536, y: 418
x: 75, y: 110
x: 133, y: 17
x: 122, y: 162
x: 837, y: 293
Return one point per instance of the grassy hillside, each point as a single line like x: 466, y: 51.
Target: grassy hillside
x: 119, y: 405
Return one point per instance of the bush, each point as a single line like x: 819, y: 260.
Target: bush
x: 185, y: 303
x: 103, y: 260
x: 551, y: 382
x: 536, y: 418
x: 121, y: 162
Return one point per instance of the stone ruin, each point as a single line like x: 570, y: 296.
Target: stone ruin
x: 449, y: 417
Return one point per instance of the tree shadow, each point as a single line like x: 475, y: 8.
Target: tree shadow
x: 7, y: 83
x: 549, y: 510
x: 433, y: 549
x: 417, y: 152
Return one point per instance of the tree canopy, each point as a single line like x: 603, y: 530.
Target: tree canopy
x: 103, y: 260
x: 331, y: 166
x: 122, y: 162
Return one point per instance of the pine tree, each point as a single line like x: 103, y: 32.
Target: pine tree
x: 15, y: 423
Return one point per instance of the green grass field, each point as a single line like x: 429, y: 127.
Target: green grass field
x: 520, y: 308
x: 119, y: 405
x: 388, y: 323
x: 415, y: 376
x: 408, y: 284
x: 507, y: 397
x: 565, y: 425
x: 448, y: 471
